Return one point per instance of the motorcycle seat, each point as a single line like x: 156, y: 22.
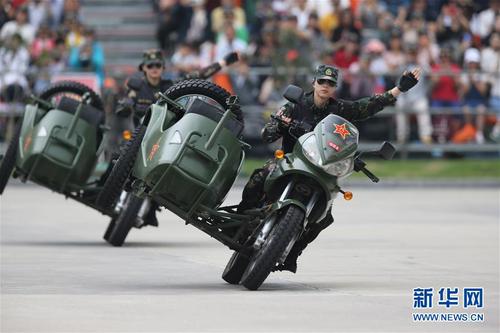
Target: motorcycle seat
x: 203, y: 108
x: 90, y: 114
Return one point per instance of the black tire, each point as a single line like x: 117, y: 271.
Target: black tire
x: 262, y: 263
x: 198, y: 87
x: 9, y: 160
x: 114, y: 183
x: 75, y: 88
x: 109, y: 229
x: 235, y: 268
x: 125, y: 221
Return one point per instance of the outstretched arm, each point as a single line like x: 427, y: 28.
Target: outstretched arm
x: 369, y: 106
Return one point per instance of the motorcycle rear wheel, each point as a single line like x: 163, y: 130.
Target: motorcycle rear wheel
x: 125, y: 221
x: 264, y: 260
x: 8, y: 162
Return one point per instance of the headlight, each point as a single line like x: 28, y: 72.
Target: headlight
x: 340, y: 168
x: 310, y: 149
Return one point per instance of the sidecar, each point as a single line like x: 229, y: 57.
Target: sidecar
x: 193, y: 162
x: 57, y: 142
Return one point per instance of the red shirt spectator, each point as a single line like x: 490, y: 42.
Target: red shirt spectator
x: 445, y: 88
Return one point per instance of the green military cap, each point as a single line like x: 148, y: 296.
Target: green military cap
x: 151, y: 56
x: 326, y: 72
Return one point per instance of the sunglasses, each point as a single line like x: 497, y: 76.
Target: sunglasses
x: 154, y: 65
x: 323, y: 81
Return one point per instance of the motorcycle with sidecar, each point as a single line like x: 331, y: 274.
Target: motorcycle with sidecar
x: 60, y: 138
x: 189, y: 165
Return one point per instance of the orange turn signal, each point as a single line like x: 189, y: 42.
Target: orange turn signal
x: 127, y: 135
x: 348, y: 195
x: 279, y: 154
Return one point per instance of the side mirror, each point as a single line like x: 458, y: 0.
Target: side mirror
x: 387, y: 151
x: 293, y: 93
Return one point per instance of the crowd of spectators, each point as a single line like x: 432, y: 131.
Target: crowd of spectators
x: 455, y: 42
x: 40, y: 39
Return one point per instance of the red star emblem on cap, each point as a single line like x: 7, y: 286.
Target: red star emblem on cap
x: 342, y: 130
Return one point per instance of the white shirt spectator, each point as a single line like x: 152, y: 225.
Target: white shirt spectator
x: 482, y: 23
x: 490, y: 63
x: 225, y: 46
x: 26, y: 31
x: 39, y: 12
x: 14, y: 66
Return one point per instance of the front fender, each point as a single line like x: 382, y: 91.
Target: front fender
x: 280, y: 204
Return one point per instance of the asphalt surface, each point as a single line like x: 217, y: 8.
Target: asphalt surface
x: 58, y: 275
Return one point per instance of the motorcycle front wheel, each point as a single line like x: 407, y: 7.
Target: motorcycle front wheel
x: 264, y: 260
x: 121, y: 226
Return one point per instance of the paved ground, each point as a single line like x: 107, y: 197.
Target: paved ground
x: 58, y: 275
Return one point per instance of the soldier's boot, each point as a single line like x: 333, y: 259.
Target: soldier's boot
x: 150, y: 218
x: 290, y: 263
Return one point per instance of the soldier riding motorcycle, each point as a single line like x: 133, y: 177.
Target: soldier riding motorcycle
x: 309, y: 111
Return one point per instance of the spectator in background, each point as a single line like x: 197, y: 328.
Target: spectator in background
x: 482, y: 24
x: 218, y: 14
x: 19, y: 26
x: 414, y: 101
x: 71, y: 10
x: 174, y: 20
x: 490, y: 64
x: 348, y: 53
x: 316, y: 38
x: 369, y: 12
x: 428, y: 51
x: 89, y: 56
x: 445, y: 92
x: 244, y: 84
x: 198, y: 22
x: 451, y: 26
x: 394, y: 58
x: 186, y: 59
x: 346, y: 27
x: 229, y: 42
x: 303, y: 13
x: 39, y: 13
x: 44, y: 42
x: 75, y: 37
x: 14, y: 62
x: 474, y: 91
x: 362, y: 82
x: 6, y: 12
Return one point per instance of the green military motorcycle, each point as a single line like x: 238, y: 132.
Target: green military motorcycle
x: 188, y: 166
x: 58, y: 142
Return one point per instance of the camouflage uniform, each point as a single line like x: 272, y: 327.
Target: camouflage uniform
x: 140, y: 93
x: 308, y: 112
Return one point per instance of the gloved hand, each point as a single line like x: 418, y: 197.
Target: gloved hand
x: 231, y: 58
x: 408, y: 80
x: 125, y: 107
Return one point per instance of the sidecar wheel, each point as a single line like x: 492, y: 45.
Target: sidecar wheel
x: 73, y: 88
x: 197, y: 87
x: 235, y: 268
x: 118, y: 176
x: 125, y: 221
x: 264, y: 261
x: 8, y: 162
